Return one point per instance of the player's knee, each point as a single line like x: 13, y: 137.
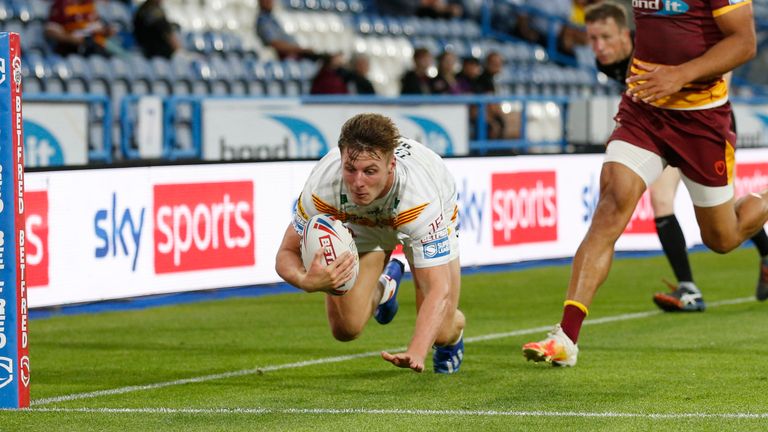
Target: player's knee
x: 345, y: 332
x: 719, y: 242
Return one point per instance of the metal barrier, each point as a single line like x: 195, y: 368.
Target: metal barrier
x: 100, y: 119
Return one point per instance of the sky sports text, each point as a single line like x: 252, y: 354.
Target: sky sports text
x: 195, y: 226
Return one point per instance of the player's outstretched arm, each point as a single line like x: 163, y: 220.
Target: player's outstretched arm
x: 435, y: 284
x: 736, y: 48
x: 290, y: 267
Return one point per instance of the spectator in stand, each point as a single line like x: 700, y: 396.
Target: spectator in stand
x: 467, y: 79
x: 568, y: 16
x: 467, y: 83
x: 154, y: 34
x: 330, y: 78
x: 486, y: 84
x: 357, y: 77
x: 74, y: 27
x: 273, y: 35
x: 417, y: 80
x: 445, y: 82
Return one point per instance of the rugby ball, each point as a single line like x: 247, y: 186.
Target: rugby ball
x: 325, y: 232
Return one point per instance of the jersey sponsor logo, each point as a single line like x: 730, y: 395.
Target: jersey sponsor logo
x: 524, y: 207
x: 443, y: 233
x: 662, y: 7
x: 437, y: 248
x: 435, y: 136
x: 203, y: 226
x: 37, y: 238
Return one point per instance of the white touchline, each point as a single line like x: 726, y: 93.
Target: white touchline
x: 337, y: 359
x: 416, y: 412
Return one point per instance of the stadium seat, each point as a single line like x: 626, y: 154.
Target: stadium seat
x: 255, y: 87
x: 6, y: 12
x: 32, y: 85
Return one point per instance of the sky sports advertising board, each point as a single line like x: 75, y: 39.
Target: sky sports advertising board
x: 114, y: 233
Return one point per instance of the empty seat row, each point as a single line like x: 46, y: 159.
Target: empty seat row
x: 414, y: 26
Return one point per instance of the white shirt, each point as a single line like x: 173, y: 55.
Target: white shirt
x: 419, y: 211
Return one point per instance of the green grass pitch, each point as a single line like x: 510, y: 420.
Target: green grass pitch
x: 270, y: 363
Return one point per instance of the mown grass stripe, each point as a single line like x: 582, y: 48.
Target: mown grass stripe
x: 337, y: 359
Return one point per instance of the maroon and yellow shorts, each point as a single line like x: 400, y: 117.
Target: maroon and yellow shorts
x: 699, y: 142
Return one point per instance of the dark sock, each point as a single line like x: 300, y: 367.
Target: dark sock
x: 761, y: 242
x: 673, y: 242
x: 571, y: 322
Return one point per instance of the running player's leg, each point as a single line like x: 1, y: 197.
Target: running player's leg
x: 348, y: 314
x: 760, y: 240
x: 670, y: 234
x: 620, y: 190
x: 685, y: 295
x: 626, y: 172
x: 726, y: 223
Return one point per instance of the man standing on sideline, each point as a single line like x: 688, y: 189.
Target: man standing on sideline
x: 611, y: 41
x: 388, y: 190
x: 674, y: 112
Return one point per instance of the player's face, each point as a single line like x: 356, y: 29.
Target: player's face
x: 609, y: 43
x: 368, y: 176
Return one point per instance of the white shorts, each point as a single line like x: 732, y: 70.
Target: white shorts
x: 433, y: 250
x: 648, y: 165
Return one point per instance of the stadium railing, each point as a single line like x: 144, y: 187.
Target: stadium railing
x: 99, y: 121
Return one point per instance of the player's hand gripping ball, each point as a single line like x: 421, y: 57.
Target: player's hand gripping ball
x: 325, y: 232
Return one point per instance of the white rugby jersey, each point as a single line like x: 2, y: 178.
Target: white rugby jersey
x: 419, y: 211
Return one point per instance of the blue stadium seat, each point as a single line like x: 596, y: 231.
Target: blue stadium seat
x: 32, y: 85
x: 54, y: 85
x: 33, y: 40
x: 394, y: 25
x: 196, y: 41
x: 327, y: 5
x: 312, y: 4
x: 379, y: 25
x: 308, y: 69
x: 409, y: 26
x: 161, y: 68
x: 364, y: 24
x: 116, y: 13
x: 255, y: 87
x: 6, y: 12
x: 341, y: 6
x: 140, y: 66
x: 356, y: 6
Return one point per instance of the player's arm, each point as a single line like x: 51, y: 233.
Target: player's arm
x: 290, y: 267
x: 435, y: 284
x: 736, y: 48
